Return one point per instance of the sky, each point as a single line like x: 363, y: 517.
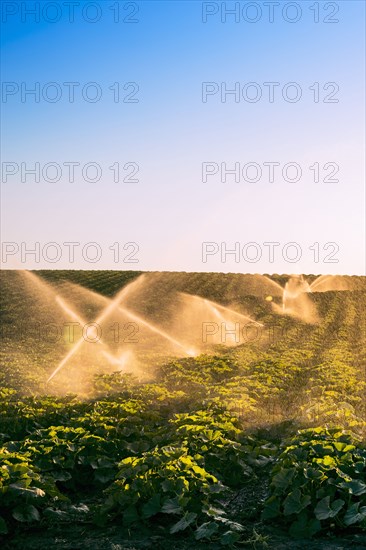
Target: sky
x: 144, y: 87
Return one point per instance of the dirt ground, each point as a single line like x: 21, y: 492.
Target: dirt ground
x: 76, y: 537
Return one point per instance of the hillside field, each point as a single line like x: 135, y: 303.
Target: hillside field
x: 182, y: 410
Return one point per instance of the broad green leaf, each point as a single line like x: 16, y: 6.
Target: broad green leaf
x: 229, y: 538
x: 302, y: 528
x: 313, y: 473
x: 355, y: 487
x: 283, y: 478
x: 152, y: 507
x: 171, y: 506
x: 327, y: 461
x: 271, y: 508
x: 296, y: 502
x: 355, y: 514
x: 182, y: 524
x: 206, y: 530
x: 26, y: 513
x: 62, y: 475
x: 325, y: 510
x: 216, y: 513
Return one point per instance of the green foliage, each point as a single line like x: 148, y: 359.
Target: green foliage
x: 182, y: 453
x: 319, y: 482
x: 24, y: 490
x: 167, y: 481
x: 215, y: 435
x: 186, y: 482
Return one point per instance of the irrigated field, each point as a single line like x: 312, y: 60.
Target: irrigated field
x: 182, y: 410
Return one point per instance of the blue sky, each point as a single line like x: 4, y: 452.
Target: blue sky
x: 170, y: 132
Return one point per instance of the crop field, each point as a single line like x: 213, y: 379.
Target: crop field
x: 182, y: 411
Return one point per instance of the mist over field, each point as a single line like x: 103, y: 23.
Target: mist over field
x: 151, y: 406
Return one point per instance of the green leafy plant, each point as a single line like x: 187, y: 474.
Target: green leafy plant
x: 24, y: 491
x: 170, y: 483
x: 319, y: 481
